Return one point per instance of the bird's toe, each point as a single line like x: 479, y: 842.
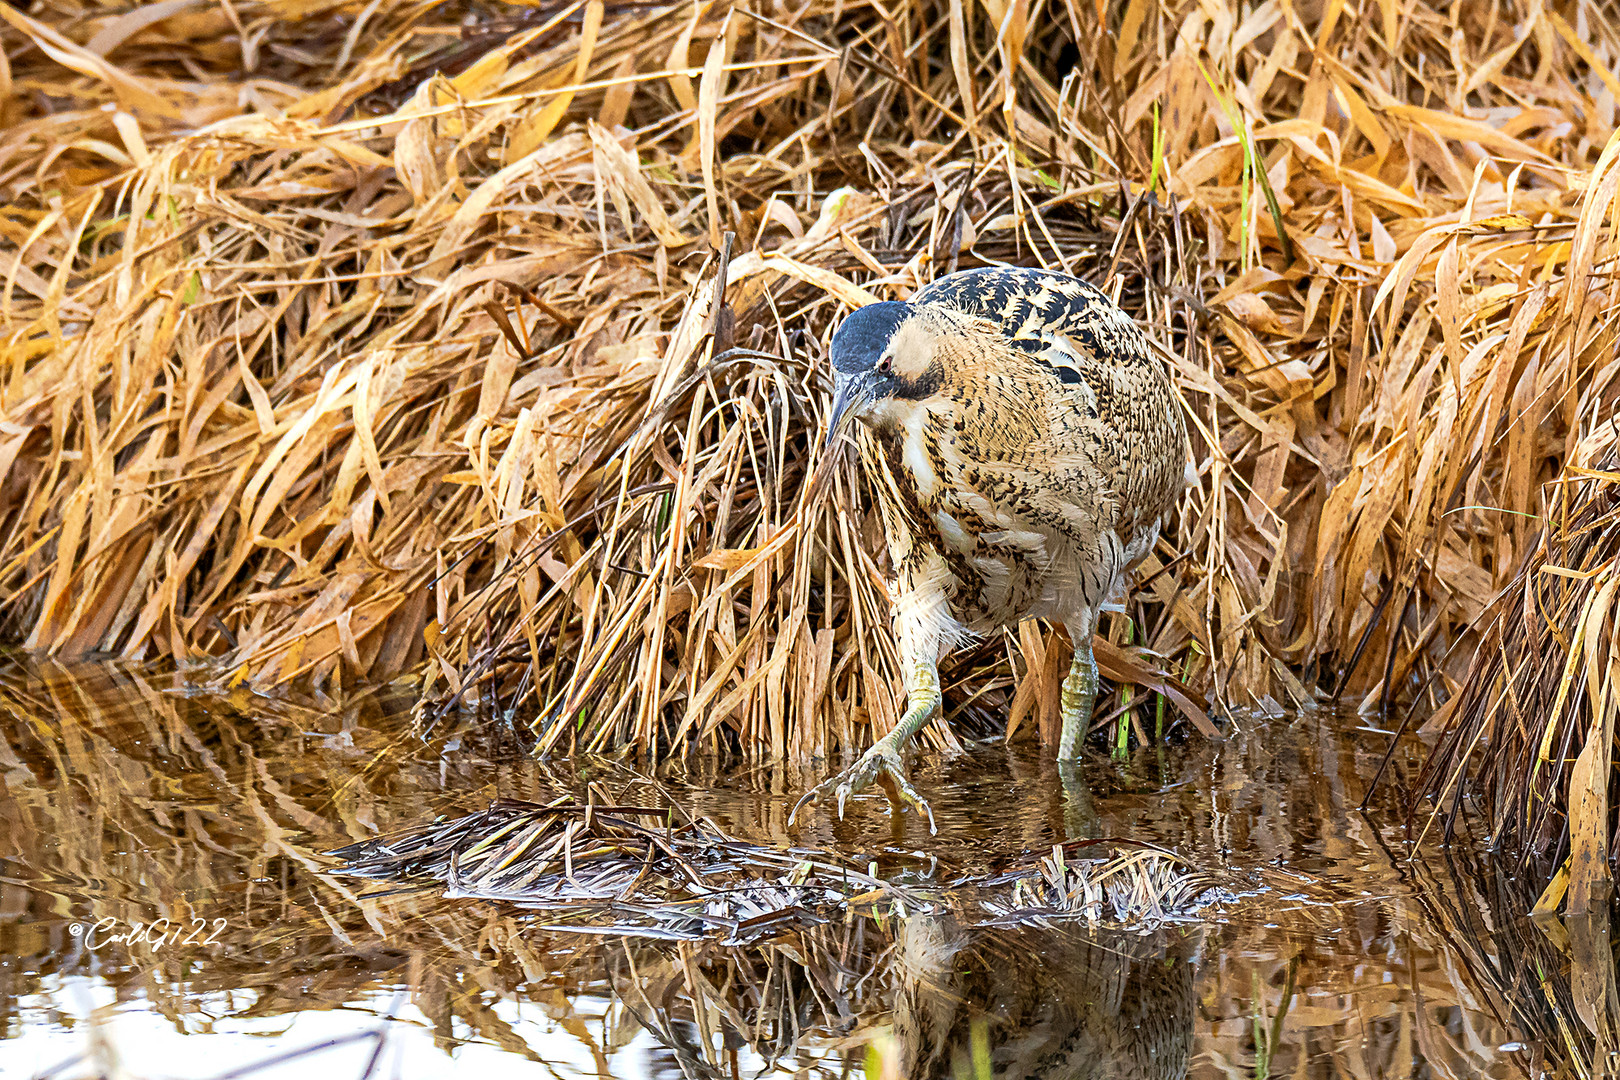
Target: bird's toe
x: 901, y: 791
x: 880, y: 765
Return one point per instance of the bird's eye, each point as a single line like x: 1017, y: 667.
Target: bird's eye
x: 886, y: 365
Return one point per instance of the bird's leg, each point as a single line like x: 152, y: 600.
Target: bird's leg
x: 1079, y: 689
x: 882, y: 762
x: 1079, y: 813
x: 1079, y: 693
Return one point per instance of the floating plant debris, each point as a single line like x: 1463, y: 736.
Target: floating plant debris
x: 623, y: 869
x: 687, y: 880
x: 1141, y: 888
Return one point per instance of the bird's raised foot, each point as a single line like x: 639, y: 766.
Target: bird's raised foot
x: 881, y: 764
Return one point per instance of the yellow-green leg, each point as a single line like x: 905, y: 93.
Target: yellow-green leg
x: 1079, y: 690
x: 882, y: 762
x: 1079, y: 813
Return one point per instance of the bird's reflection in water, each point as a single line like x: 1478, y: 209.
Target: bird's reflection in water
x: 962, y: 1001
x: 1055, y: 1001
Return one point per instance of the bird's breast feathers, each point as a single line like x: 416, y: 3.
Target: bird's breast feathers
x: 1005, y: 531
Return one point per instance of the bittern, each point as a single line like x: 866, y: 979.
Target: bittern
x: 1024, y: 446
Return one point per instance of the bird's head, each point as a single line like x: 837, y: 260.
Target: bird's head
x: 881, y: 352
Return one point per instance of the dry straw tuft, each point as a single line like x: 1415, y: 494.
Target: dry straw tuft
x: 342, y: 340
x: 1137, y: 888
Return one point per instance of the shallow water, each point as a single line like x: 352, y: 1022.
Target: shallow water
x: 124, y: 800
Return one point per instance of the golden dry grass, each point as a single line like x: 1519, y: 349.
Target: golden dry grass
x: 349, y: 340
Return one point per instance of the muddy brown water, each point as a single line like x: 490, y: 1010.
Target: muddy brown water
x: 125, y: 799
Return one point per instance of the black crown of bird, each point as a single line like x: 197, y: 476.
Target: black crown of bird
x: 1024, y: 445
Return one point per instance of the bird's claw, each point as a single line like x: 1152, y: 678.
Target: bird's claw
x: 881, y: 764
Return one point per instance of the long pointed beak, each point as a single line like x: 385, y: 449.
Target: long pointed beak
x: 845, y: 394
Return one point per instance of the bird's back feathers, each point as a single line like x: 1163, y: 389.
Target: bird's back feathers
x: 1030, y: 306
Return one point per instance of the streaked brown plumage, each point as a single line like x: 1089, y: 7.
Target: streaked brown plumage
x: 1024, y: 445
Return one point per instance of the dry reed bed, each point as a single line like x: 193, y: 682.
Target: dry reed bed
x: 1533, y: 727
x: 341, y: 339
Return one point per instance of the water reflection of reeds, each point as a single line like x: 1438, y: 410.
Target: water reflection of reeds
x: 218, y: 814
x: 123, y: 801
x: 120, y: 798
x: 1551, y: 977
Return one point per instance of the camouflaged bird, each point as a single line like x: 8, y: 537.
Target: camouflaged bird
x: 1024, y: 446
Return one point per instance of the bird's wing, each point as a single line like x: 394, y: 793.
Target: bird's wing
x: 1106, y: 445
x: 1103, y: 373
